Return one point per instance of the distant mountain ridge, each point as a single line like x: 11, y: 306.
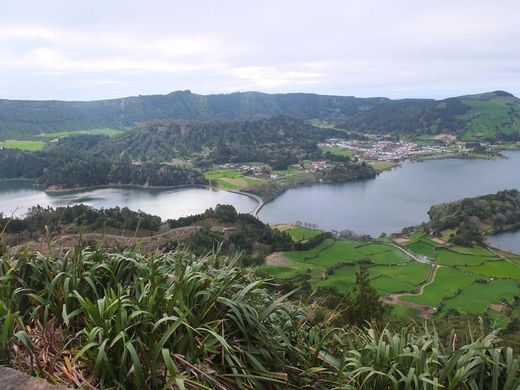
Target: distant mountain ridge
x: 489, y: 115
x: 26, y: 117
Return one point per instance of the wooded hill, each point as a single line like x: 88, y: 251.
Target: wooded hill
x: 490, y: 116
x: 470, y: 217
x: 278, y: 141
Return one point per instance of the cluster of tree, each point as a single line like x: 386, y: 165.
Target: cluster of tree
x: 339, y: 173
x: 39, y: 218
x: 66, y: 168
x: 468, y: 217
x: 246, y: 235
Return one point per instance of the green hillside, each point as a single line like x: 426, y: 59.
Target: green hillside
x: 489, y: 116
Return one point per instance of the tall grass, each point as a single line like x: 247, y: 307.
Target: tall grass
x: 173, y: 320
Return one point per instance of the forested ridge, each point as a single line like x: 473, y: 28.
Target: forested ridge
x: 23, y: 118
x: 492, y: 116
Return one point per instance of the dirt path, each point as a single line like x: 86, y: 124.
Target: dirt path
x: 277, y: 258
x: 425, y: 310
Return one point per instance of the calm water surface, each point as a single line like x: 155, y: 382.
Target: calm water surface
x: 395, y: 199
x: 167, y: 203
x: 508, y: 241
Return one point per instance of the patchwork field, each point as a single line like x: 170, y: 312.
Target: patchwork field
x: 230, y: 179
x: 467, y: 280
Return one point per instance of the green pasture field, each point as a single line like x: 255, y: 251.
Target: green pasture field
x: 298, y: 233
x: 477, y: 251
x: 343, y: 279
x: 476, y: 297
x: 446, y: 284
x: 497, y: 269
x: 486, y: 116
x: 278, y: 271
x: 422, y: 248
x: 229, y: 178
x: 452, y: 258
x: 58, y: 134
x: 392, y: 271
x: 305, y: 256
x: 330, y: 253
x: 385, y: 279
x: 413, y: 272
x: 30, y: 146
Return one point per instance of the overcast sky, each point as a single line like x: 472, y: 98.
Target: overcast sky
x: 93, y: 49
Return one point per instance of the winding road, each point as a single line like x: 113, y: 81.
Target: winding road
x: 426, y: 311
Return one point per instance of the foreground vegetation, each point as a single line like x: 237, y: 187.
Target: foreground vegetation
x: 92, y: 318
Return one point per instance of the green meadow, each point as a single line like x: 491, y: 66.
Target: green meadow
x: 30, y: 146
x: 59, y: 134
x: 229, y: 179
x: 467, y: 279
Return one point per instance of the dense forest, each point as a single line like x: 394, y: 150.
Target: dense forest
x: 491, y: 116
x: 470, y: 217
x: 278, y: 141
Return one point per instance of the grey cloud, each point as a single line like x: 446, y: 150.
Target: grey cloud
x: 402, y: 48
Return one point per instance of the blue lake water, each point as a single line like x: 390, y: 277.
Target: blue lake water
x: 394, y: 199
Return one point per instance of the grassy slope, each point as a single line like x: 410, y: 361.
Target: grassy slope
x: 30, y: 146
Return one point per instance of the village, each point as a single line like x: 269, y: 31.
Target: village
x: 385, y: 150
